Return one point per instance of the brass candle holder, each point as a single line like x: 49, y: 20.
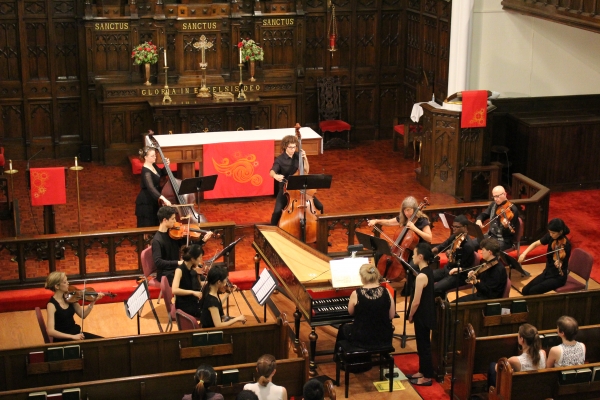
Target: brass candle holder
x: 166, y: 98
x: 242, y: 95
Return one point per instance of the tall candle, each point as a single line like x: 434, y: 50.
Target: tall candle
x: 10, y: 165
x: 75, y: 161
x: 165, y: 53
x: 241, y: 55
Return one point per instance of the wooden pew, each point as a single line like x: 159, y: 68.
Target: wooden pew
x: 543, y: 311
x: 144, y: 354
x: 478, y: 352
x: 292, y: 373
x: 540, y: 385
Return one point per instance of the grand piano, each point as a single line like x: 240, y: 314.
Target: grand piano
x: 304, y: 277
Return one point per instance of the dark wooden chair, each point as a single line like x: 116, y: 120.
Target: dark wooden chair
x: 410, y: 132
x: 355, y: 359
x: 330, y: 111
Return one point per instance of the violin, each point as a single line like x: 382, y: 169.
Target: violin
x: 505, y: 215
x: 455, y: 246
x: 74, y: 294
x: 558, y: 246
x: 480, y: 269
x: 181, y: 230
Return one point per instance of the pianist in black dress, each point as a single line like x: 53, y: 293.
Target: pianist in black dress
x: 373, y: 309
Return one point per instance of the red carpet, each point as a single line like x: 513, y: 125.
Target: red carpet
x: 409, y: 364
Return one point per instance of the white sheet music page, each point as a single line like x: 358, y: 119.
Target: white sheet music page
x: 136, y: 300
x: 263, y: 287
x: 345, y: 272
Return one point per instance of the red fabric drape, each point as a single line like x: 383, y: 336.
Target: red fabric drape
x: 474, y: 109
x: 48, y: 186
x: 243, y: 168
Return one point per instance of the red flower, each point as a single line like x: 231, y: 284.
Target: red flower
x: 247, y: 58
x: 240, y: 44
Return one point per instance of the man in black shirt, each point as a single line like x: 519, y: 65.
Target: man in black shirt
x: 165, y: 250
x: 490, y: 283
x: 506, y: 236
x: 287, y: 164
x: 448, y: 277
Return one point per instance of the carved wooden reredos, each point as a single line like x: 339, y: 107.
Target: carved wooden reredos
x: 68, y: 83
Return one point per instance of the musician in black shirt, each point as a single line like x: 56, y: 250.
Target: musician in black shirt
x: 285, y: 165
x: 506, y: 236
x: 491, y: 282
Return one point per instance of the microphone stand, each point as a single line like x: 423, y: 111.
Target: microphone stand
x: 404, y: 337
x: 457, y: 257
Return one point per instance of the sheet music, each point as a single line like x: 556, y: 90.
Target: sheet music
x: 264, y: 287
x: 444, y: 221
x: 345, y: 272
x: 135, y: 302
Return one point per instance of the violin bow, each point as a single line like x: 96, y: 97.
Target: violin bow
x: 545, y: 254
x: 235, y: 299
x: 82, y: 307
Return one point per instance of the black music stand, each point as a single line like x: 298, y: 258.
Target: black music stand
x: 475, y: 231
x: 378, y: 246
x: 193, y: 185
x: 306, y: 182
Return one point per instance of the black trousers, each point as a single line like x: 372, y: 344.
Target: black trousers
x: 540, y: 284
x: 280, y: 204
x: 444, y: 281
x: 422, y: 336
x: 87, y: 336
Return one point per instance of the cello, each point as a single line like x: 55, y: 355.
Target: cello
x: 389, y: 267
x: 171, y: 190
x: 299, y: 217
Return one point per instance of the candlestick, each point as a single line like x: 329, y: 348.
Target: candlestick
x: 165, y: 53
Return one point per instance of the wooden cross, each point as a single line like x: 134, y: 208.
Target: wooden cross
x: 203, y: 44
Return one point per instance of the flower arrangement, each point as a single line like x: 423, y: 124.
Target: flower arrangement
x: 250, y: 51
x: 145, y: 53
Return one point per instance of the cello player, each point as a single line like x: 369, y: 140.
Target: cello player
x: 497, y: 230
x: 285, y: 165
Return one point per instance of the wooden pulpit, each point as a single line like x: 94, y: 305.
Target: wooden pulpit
x: 448, y: 149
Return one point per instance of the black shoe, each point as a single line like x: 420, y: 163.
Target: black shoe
x: 414, y: 382
x: 412, y: 376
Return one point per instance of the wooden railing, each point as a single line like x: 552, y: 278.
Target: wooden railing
x: 576, y: 13
x: 104, y: 255
x: 532, y: 198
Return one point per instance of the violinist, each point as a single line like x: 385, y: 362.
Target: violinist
x: 504, y: 219
x: 186, y: 286
x: 490, y: 278
x: 285, y: 165
x: 165, y: 250
x: 61, y: 324
x: 146, y: 203
x: 211, y: 302
x: 459, y: 247
x: 557, y: 260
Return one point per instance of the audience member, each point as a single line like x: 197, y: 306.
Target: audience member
x: 246, y: 395
x: 532, y: 356
x: 570, y: 351
x: 204, y: 377
x: 313, y: 390
x: 264, y: 388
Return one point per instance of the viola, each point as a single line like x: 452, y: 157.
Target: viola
x: 181, y: 230
x: 404, y: 243
x: 558, y: 246
x: 74, y: 294
x: 455, y: 246
x: 505, y: 215
x: 480, y: 269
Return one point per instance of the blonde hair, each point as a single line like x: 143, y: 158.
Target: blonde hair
x: 265, y: 367
x: 53, y: 279
x: 410, y: 202
x: 369, y: 274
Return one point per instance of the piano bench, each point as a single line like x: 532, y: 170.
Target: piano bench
x: 352, y: 358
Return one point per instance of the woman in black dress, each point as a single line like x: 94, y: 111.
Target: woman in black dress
x: 186, y: 286
x: 61, y: 324
x: 210, y: 304
x: 147, y: 202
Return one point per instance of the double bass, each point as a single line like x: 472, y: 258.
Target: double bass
x: 388, y: 266
x: 299, y: 217
x: 171, y: 190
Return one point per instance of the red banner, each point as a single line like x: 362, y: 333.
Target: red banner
x: 474, y: 109
x: 243, y: 168
x: 48, y: 186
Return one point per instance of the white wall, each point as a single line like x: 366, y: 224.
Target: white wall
x: 517, y: 55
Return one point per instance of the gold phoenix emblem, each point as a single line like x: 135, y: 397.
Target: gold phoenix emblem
x: 38, y: 183
x: 241, y: 170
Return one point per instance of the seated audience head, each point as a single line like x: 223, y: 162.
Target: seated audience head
x: 193, y: 252
x: 528, y: 336
x: 313, y: 390
x: 266, y: 369
x: 491, y: 245
x: 558, y: 228
x: 165, y: 212
x: 424, y: 250
x: 369, y: 274
x: 205, y: 377
x: 54, y: 280
x: 246, y: 395
x: 567, y: 326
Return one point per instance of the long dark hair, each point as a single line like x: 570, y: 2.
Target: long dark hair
x: 193, y: 251
x: 215, y: 274
x: 204, y: 377
x: 529, y: 333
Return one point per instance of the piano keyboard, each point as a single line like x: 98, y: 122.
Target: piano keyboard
x: 330, y: 309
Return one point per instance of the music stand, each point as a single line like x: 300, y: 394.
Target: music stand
x: 306, y: 182
x: 475, y: 231
x: 193, y: 185
x: 513, y: 264
x: 377, y: 245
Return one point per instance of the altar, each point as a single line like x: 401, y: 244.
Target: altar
x: 187, y: 148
